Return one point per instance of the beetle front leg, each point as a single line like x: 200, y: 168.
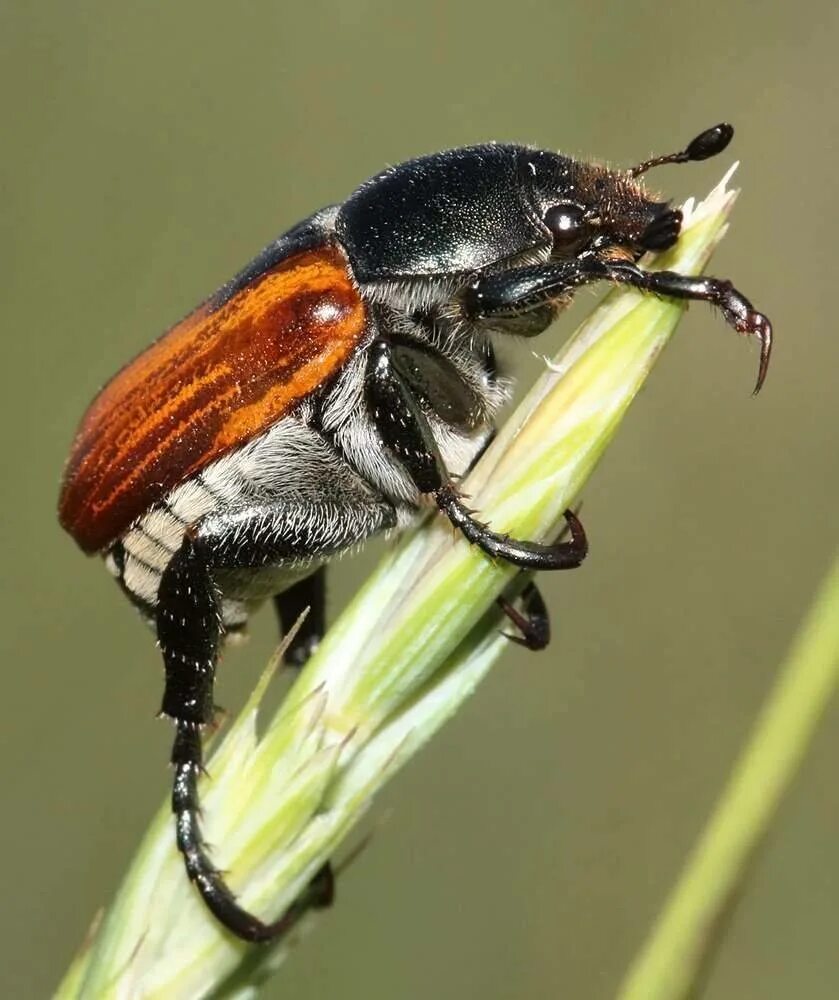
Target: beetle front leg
x: 511, y: 293
x: 735, y: 307
x: 406, y: 433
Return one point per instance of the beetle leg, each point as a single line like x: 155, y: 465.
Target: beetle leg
x: 310, y: 593
x: 189, y: 630
x: 188, y: 627
x: 533, y: 621
x: 739, y: 313
x: 513, y: 292
x: 525, y: 555
x: 405, y: 431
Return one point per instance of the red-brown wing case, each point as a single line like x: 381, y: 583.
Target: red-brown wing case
x: 214, y: 381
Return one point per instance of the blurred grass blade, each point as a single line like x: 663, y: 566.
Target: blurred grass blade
x: 685, y: 935
x: 412, y: 645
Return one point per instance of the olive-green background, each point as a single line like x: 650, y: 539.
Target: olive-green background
x: 147, y: 151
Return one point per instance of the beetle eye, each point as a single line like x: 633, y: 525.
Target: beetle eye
x: 567, y: 224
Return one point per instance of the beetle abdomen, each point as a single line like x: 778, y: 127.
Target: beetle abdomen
x: 213, y: 382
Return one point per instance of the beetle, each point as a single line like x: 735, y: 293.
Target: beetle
x: 334, y: 388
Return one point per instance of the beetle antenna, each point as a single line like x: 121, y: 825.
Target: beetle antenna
x: 706, y: 144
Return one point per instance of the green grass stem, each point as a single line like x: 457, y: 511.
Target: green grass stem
x: 404, y: 655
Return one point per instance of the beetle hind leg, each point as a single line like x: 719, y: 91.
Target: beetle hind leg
x: 187, y: 762
x: 189, y: 630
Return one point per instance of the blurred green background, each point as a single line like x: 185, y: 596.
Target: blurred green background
x: 148, y: 150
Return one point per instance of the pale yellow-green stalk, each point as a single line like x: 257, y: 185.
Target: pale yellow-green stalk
x: 684, y: 937
x: 413, y: 644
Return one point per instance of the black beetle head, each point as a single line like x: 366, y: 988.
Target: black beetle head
x: 589, y: 209
x: 498, y: 205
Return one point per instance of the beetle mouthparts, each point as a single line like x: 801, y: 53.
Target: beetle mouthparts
x: 663, y: 232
